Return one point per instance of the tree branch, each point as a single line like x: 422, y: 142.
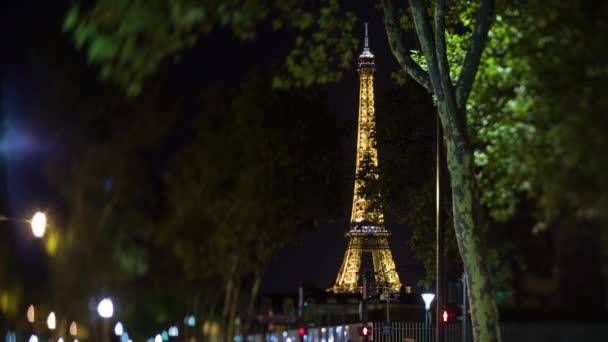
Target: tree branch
x: 444, y: 66
x: 425, y: 36
x: 440, y: 47
x: 401, y: 54
x: 474, y: 52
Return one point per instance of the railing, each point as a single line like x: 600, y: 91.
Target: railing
x: 414, y: 332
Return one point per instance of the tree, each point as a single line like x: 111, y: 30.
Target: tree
x: 451, y: 98
x: 259, y: 172
x: 118, y: 37
x: 530, y: 147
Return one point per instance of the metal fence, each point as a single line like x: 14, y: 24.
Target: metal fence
x: 414, y: 332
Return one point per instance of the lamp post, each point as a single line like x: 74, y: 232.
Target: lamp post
x: 105, y: 309
x: 118, y: 329
x: 37, y: 223
x: 428, y: 299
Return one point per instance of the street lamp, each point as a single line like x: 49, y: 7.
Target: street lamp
x: 118, y: 329
x: 105, y: 309
x: 428, y: 299
x: 31, y: 313
x: 50, y: 321
x: 38, y: 223
x: 73, y: 329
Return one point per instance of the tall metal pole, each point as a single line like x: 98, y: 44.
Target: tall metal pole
x: 439, y: 291
x: 427, y: 312
x: 465, y: 324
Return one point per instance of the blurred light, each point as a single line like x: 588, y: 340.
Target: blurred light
x: 302, y: 331
x: 428, y: 299
x: 75, y: 340
x: 173, y: 331
x: 445, y: 315
x: 164, y: 335
x: 31, y: 314
x: 50, y: 322
x: 38, y: 224
x: 364, y: 330
x: 105, y: 308
x: 284, y: 334
x: 60, y: 339
x: 158, y: 338
x: 73, y: 329
x: 10, y: 336
x: 191, y: 321
x: 124, y: 337
x: 289, y: 339
x: 33, y: 338
x: 118, y: 330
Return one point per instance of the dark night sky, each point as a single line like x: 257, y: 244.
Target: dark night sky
x: 317, y: 256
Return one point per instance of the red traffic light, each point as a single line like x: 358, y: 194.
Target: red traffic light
x: 364, y: 331
x: 302, y: 331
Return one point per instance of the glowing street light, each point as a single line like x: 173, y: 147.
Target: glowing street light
x: 428, y: 299
x: 50, y: 321
x: 33, y: 338
x: 105, y: 308
x: 118, y: 329
x: 173, y: 331
x: 31, y: 314
x: 38, y: 224
x: 190, y: 320
x: 158, y: 338
x: 73, y: 329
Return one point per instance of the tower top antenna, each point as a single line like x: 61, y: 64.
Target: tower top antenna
x: 366, y: 58
x: 366, y: 41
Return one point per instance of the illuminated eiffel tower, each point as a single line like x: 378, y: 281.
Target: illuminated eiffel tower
x: 367, y: 233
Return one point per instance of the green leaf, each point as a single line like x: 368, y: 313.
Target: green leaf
x: 102, y: 48
x: 71, y: 18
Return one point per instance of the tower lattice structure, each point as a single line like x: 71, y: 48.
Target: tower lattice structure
x: 367, y: 233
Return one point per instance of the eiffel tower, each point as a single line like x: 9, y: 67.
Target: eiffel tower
x: 367, y: 233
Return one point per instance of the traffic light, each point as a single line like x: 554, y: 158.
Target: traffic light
x: 449, y: 314
x: 364, y: 330
x: 302, y: 331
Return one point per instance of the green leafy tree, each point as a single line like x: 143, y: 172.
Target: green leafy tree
x: 258, y: 172
x: 529, y: 145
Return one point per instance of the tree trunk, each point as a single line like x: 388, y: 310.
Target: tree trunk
x: 232, y: 306
x: 255, y: 288
x: 465, y: 203
x: 229, y: 299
